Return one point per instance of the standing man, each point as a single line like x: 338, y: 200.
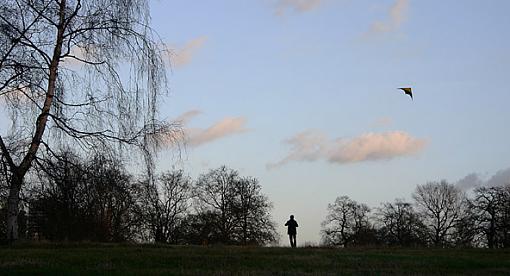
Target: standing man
x: 291, y: 230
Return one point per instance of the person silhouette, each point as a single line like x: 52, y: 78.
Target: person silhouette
x: 291, y: 230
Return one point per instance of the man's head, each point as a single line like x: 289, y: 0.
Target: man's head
x: 291, y: 216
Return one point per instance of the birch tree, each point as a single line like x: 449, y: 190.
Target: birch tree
x: 83, y: 73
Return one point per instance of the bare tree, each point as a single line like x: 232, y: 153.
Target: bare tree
x: 251, y: 210
x: 346, y: 222
x: 236, y: 207
x: 214, y: 191
x: 440, y: 205
x: 491, y: 206
x: 165, y: 204
x: 88, y: 71
x: 400, y: 225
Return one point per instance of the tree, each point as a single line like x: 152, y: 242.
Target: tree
x: 440, y: 205
x: 251, y: 211
x: 466, y: 232
x: 240, y: 210
x: 58, y: 198
x: 491, y: 206
x: 400, y: 225
x: 83, y: 199
x: 505, y: 217
x: 165, y: 203
x: 214, y: 191
x: 61, y: 76
x: 346, y: 223
x: 110, y: 191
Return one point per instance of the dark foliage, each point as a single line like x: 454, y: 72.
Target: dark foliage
x: 77, y: 199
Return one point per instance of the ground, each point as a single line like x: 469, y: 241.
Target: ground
x: 57, y: 259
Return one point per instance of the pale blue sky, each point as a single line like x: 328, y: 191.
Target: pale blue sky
x: 326, y: 69
x: 331, y: 67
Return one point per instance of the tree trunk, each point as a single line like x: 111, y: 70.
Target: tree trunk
x: 13, y: 208
x: 19, y: 172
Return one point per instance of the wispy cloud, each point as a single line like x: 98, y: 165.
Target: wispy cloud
x: 225, y: 127
x: 470, y: 181
x: 283, y: 6
x: 198, y: 136
x: 314, y: 146
x: 183, y: 55
x: 185, y: 117
x: 474, y: 180
x: 397, y: 14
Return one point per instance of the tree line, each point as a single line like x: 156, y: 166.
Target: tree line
x: 440, y: 215
x: 69, y: 197
x: 72, y: 198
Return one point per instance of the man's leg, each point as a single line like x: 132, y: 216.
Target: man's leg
x: 290, y: 239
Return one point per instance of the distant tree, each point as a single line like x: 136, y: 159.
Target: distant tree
x: 505, y: 217
x: 400, y: 225
x: 83, y: 199
x: 346, y: 223
x: 466, y: 232
x: 240, y: 210
x: 110, y: 192
x: 88, y: 71
x: 491, y: 207
x: 165, y: 204
x: 251, y: 210
x: 58, y: 198
x: 440, y: 205
x: 201, y: 228
x: 214, y: 192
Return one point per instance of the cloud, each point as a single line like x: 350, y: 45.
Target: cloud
x: 397, y: 14
x: 313, y: 146
x: 184, y: 118
x: 500, y: 178
x: 181, y: 56
x: 76, y: 52
x: 199, y: 136
x: 296, y: 5
x: 89, y: 53
x: 225, y: 127
x: 474, y: 180
x: 470, y: 181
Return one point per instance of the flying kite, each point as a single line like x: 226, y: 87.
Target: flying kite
x: 408, y: 91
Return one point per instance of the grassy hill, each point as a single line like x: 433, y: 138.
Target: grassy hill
x: 193, y: 260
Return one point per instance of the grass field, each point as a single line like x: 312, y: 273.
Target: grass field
x: 58, y: 259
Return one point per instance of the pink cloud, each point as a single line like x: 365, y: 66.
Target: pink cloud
x: 184, y: 118
x: 182, y: 56
x: 221, y: 129
x: 198, y: 136
x: 374, y: 146
x: 313, y: 146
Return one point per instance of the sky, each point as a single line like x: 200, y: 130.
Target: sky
x: 302, y: 95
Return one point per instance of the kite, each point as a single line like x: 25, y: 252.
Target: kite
x: 408, y: 91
